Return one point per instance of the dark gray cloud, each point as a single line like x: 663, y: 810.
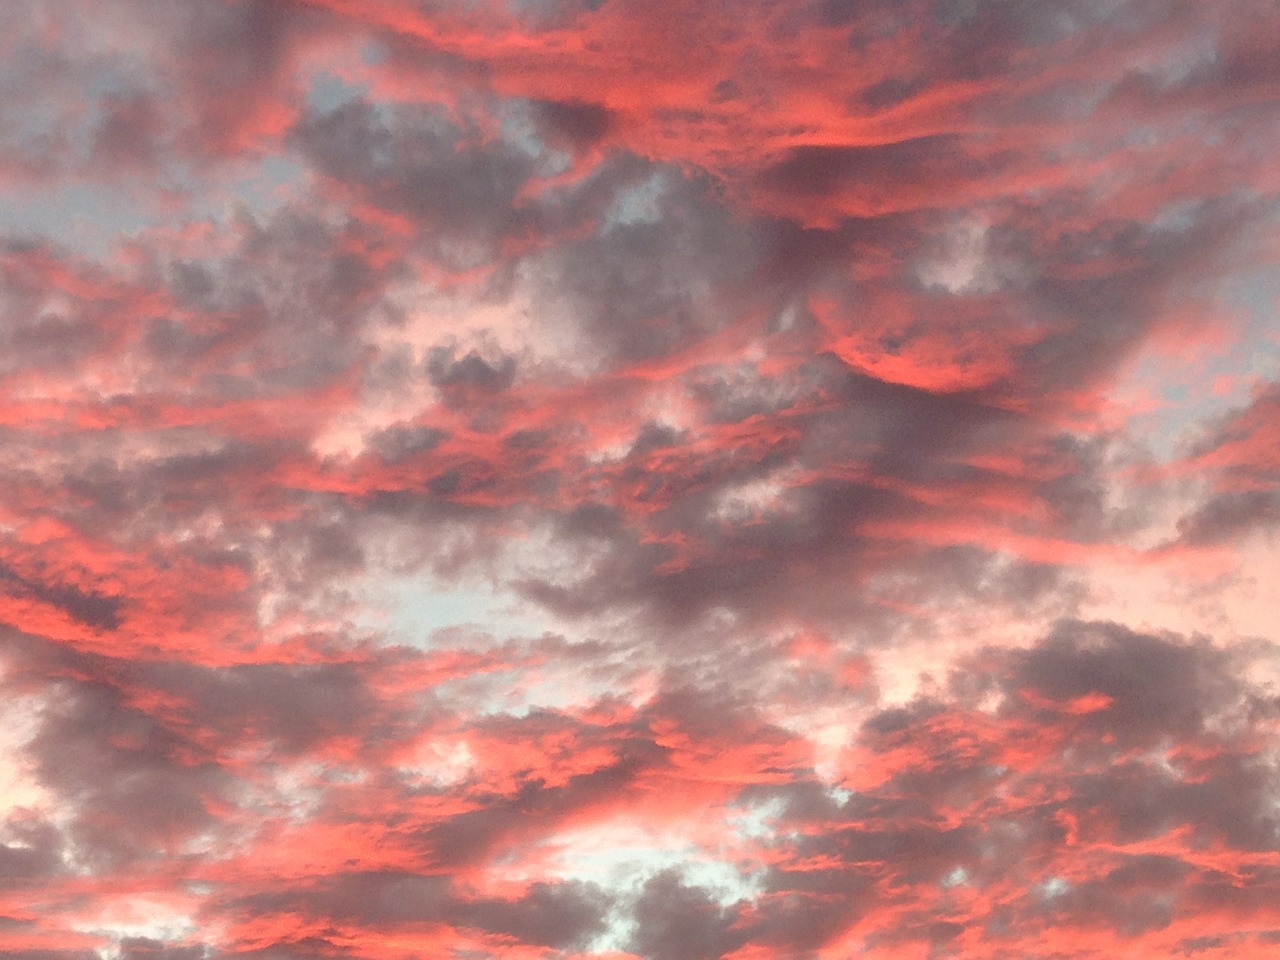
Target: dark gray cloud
x: 1237, y: 457
x: 92, y: 609
x: 138, y: 789
x: 679, y: 922
x: 874, y: 173
x: 420, y: 163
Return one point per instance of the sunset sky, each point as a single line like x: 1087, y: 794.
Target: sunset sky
x: 639, y: 479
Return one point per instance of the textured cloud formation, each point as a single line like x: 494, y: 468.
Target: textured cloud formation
x: 668, y: 480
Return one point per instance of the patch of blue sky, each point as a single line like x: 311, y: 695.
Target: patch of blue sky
x: 373, y: 53
x: 86, y: 218
x: 262, y: 187
x: 1215, y: 381
x: 328, y: 92
x: 414, y: 610
x: 91, y: 219
x: 638, y: 203
x: 1259, y: 300
x: 519, y: 128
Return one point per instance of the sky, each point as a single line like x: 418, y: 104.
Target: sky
x: 639, y: 479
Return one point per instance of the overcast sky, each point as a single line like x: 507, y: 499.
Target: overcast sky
x: 639, y: 479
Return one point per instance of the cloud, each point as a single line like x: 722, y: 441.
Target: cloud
x: 528, y: 479
x: 1237, y: 455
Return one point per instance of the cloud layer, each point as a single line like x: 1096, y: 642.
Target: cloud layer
x: 668, y: 480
